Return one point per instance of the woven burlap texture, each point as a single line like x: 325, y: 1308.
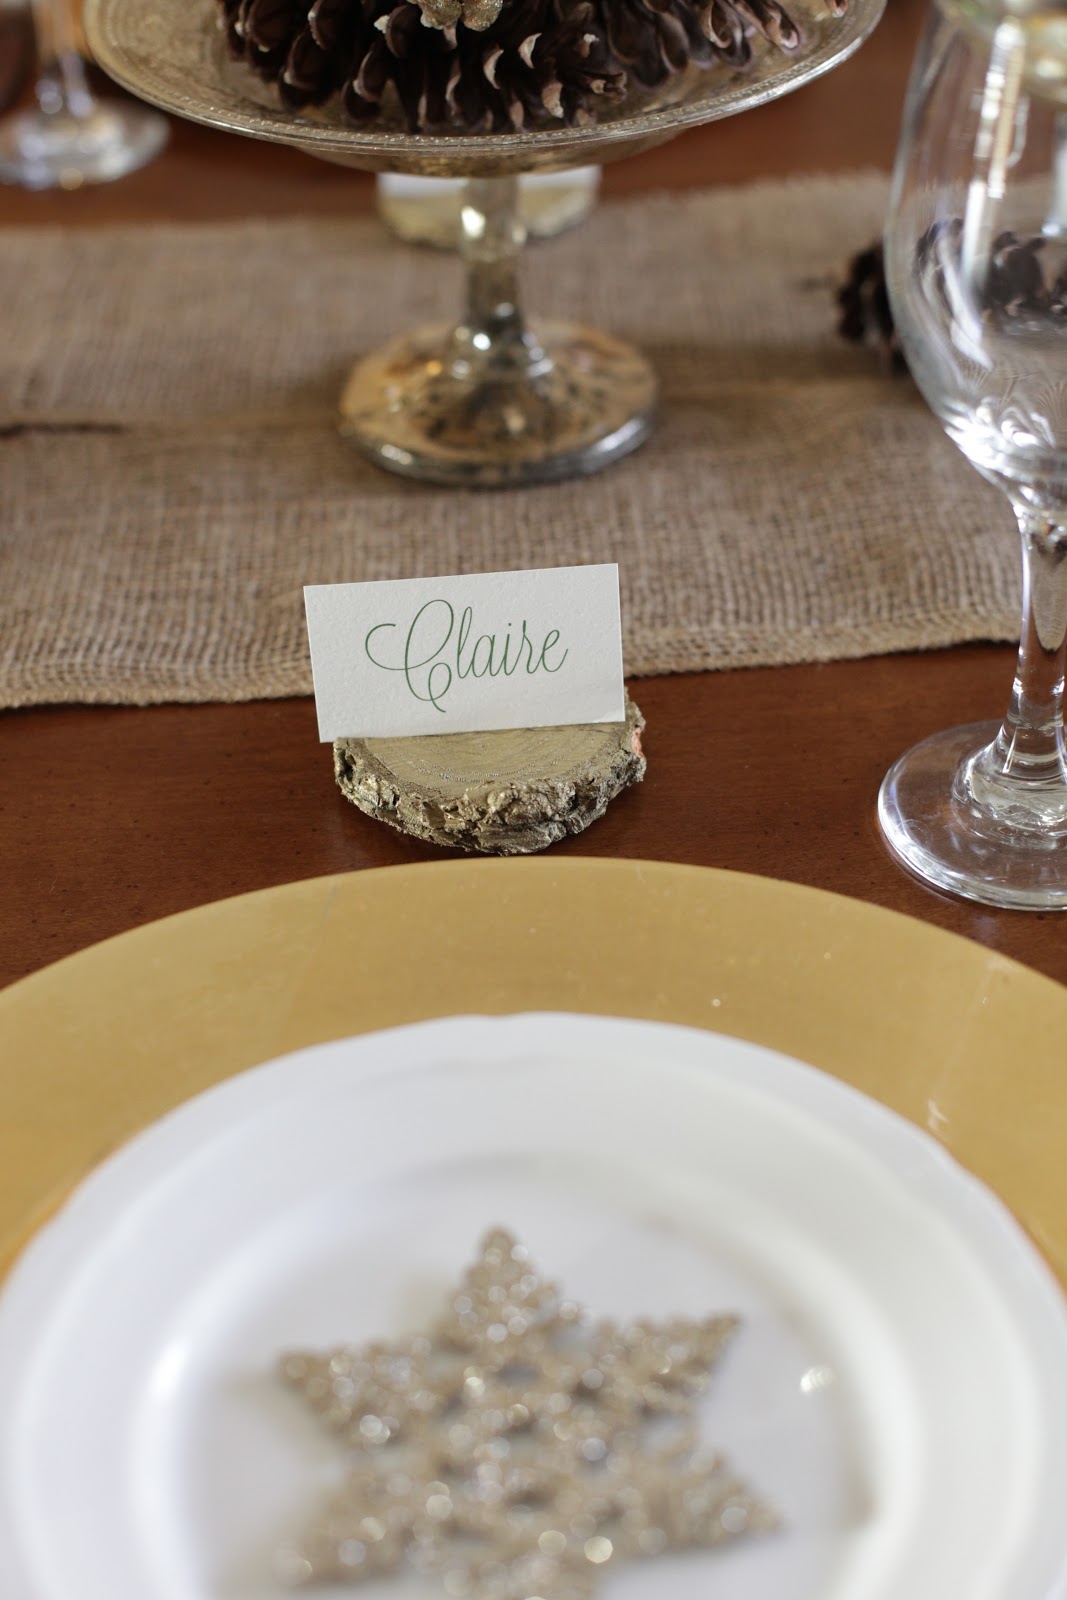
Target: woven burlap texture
x: 170, y: 476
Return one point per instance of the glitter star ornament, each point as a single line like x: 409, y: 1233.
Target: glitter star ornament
x: 517, y: 1451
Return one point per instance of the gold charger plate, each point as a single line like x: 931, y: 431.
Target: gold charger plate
x: 948, y: 1033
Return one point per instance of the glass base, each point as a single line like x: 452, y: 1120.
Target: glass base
x: 942, y: 838
x: 420, y: 408
x: 62, y: 151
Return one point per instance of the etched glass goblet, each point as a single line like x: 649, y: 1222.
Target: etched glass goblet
x: 493, y: 400
x: 976, y: 257
x: 71, y: 137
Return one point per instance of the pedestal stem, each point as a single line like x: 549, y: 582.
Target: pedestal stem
x: 493, y: 334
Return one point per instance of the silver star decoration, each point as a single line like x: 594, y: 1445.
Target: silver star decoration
x: 517, y: 1450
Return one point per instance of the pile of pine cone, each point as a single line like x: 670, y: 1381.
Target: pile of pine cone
x: 492, y: 65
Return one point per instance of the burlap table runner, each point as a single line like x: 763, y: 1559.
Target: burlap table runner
x: 170, y: 476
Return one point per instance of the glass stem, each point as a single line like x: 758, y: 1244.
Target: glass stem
x: 62, y: 86
x: 493, y: 335
x: 1022, y: 777
x: 1055, y: 225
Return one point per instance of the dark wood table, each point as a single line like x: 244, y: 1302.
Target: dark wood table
x: 113, y: 817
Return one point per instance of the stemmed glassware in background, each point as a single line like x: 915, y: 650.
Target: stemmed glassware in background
x: 71, y: 137
x: 976, y: 257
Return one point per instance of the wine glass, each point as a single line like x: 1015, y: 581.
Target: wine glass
x: 70, y: 137
x: 976, y: 260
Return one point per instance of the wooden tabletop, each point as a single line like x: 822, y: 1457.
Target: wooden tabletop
x: 113, y: 817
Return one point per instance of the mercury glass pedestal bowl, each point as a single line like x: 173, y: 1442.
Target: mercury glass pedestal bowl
x: 495, y: 400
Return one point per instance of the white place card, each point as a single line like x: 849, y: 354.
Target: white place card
x: 466, y: 654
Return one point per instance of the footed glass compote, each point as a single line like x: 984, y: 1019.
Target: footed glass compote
x: 71, y: 137
x: 976, y: 252
x: 496, y: 399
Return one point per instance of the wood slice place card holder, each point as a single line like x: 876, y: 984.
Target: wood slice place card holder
x: 483, y: 713
x: 506, y: 793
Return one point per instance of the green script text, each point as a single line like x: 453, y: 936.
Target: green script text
x: 437, y: 651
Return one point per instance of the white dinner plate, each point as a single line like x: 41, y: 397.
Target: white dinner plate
x: 898, y: 1389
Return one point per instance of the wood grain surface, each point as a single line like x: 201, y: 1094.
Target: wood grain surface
x: 110, y: 818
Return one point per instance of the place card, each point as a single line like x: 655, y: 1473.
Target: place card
x: 412, y: 656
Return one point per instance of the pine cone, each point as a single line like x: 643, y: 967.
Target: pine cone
x: 865, y: 313
x: 1017, y: 287
x: 488, y: 65
x: 655, y: 38
x: 492, y: 65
